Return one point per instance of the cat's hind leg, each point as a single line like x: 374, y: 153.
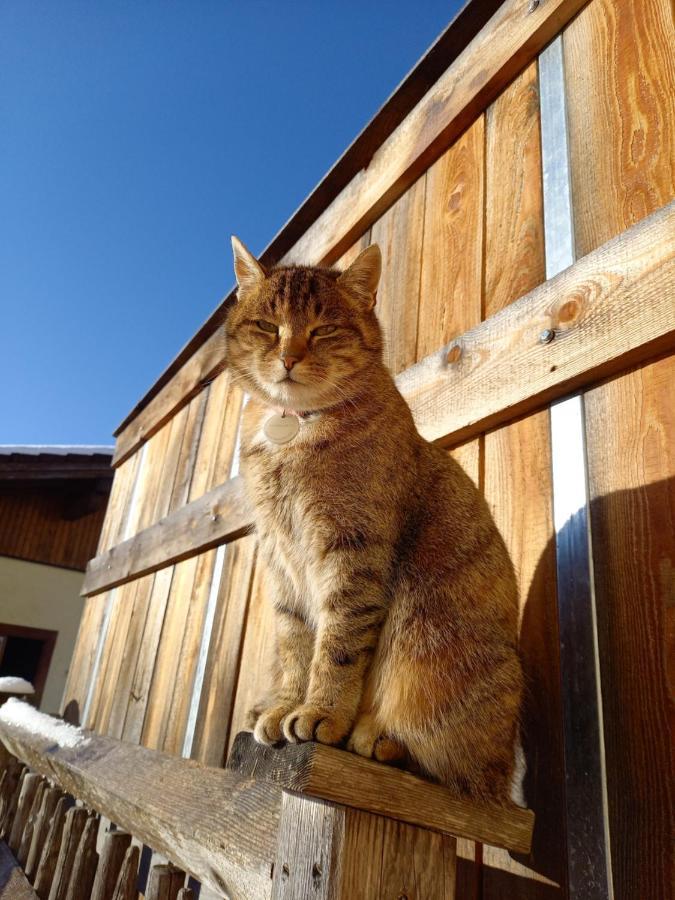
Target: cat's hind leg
x: 367, y: 739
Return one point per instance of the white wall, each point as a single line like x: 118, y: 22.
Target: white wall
x: 40, y: 596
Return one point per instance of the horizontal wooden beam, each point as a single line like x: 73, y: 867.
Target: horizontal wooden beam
x: 339, y: 777
x: 218, y: 825
x: 507, y: 43
x: 611, y: 309
x: 217, y: 517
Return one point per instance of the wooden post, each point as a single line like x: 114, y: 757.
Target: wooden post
x: 29, y: 787
x: 50, y: 798
x: 331, y: 852
x: 27, y: 836
x: 72, y: 832
x: 115, y: 845
x: 125, y: 889
x: 185, y: 894
x: 50, y: 854
x: 9, y: 810
x: 164, y: 883
x: 86, y: 860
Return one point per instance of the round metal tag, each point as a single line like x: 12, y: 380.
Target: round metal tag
x: 281, y: 429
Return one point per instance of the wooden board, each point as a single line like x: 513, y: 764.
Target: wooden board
x: 611, y: 307
x: 345, y: 778
x: 620, y: 79
x: 631, y: 478
x: 216, y: 825
x: 224, y: 653
x: 399, y: 234
x: 452, y: 255
x: 517, y: 487
x: 218, y: 516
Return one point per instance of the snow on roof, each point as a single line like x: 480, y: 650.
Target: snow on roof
x: 12, y: 684
x: 56, y: 449
x: 20, y: 715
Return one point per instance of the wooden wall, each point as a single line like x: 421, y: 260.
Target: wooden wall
x: 57, y: 523
x: 463, y: 242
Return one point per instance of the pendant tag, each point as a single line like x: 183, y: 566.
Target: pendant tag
x: 281, y: 429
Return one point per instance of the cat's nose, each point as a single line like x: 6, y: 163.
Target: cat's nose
x: 289, y: 361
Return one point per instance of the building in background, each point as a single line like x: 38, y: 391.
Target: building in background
x: 52, y: 504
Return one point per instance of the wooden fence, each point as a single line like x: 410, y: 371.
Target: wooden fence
x: 524, y: 207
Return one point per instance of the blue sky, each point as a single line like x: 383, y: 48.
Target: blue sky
x: 135, y: 137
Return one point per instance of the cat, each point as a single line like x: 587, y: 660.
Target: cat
x: 395, y: 597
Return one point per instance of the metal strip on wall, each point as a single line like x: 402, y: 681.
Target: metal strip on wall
x: 588, y: 847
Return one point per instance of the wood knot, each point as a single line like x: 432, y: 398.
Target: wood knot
x: 569, y: 312
x: 455, y: 200
x: 454, y: 354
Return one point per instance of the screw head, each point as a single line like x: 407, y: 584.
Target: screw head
x: 546, y: 336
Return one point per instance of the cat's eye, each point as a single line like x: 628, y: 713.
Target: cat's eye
x: 324, y: 329
x: 269, y: 327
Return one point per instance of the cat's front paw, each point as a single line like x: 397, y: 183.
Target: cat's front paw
x: 267, y: 729
x: 315, y: 723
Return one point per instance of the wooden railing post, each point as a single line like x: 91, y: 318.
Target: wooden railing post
x: 326, y: 850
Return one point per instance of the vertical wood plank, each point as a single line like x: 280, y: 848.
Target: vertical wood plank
x: 81, y: 877
x: 51, y: 849
x: 630, y: 439
x: 113, y: 850
x: 224, y: 656
x: 50, y: 798
x: 517, y: 487
x: 620, y: 83
x: 33, y: 814
x: 399, y: 234
x: 451, y: 289
x: 256, y: 655
x: 126, y: 889
x: 620, y: 80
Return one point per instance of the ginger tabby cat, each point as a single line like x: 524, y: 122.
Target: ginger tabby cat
x: 395, y: 598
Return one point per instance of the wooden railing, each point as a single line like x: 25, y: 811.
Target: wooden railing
x: 235, y: 830
x: 612, y: 309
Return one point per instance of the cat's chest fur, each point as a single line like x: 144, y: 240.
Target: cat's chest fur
x: 294, y: 493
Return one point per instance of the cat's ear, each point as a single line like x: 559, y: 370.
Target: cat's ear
x: 363, y: 276
x: 248, y: 271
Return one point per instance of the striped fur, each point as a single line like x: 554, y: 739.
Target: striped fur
x: 395, y: 599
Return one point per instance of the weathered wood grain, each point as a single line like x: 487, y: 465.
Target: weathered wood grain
x: 399, y: 233
x: 612, y: 307
x: 224, y: 653
x: 218, y: 516
x: 11, y: 799
x: 258, y: 643
x: 452, y: 252
x: 630, y: 425
x: 345, y: 778
x: 125, y: 888
x: 216, y: 824
x: 164, y: 883
x: 113, y: 850
x: 50, y: 798
x: 50, y: 852
x: 83, y: 872
x: 139, y: 692
x: 517, y: 487
x: 73, y: 826
x: 29, y: 786
x: 34, y: 812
